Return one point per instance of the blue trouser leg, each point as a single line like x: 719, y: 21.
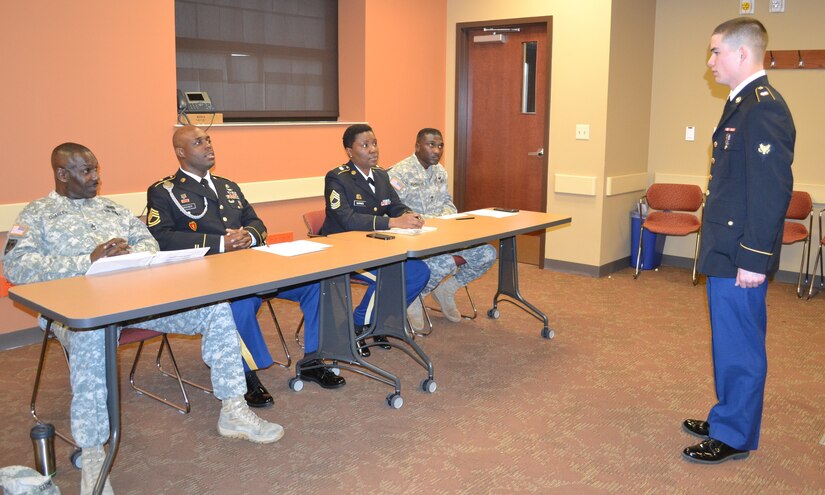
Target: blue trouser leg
x: 253, y: 346
x: 307, y: 296
x: 416, y: 275
x: 738, y: 320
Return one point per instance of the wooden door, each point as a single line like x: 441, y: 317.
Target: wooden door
x: 501, y: 144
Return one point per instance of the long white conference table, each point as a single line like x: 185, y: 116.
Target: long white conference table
x: 114, y: 299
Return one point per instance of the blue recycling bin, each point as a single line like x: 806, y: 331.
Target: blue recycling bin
x: 652, y: 248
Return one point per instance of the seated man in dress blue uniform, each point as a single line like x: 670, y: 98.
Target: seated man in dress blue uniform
x: 748, y: 194
x: 359, y: 197
x: 194, y: 208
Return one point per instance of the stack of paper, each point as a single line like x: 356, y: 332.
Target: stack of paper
x: 294, y: 248
x: 143, y: 259
x: 409, y: 231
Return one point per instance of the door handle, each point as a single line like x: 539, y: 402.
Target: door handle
x: 539, y: 152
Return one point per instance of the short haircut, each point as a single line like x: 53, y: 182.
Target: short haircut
x: 427, y: 130
x: 744, y: 31
x: 67, y: 149
x: 352, y: 131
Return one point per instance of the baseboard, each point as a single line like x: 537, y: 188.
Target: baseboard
x: 20, y: 338
x: 782, y: 276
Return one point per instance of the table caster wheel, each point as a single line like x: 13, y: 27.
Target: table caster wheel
x: 395, y: 401
x: 75, y: 458
x: 429, y: 385
x: 296, y: 384
x: 493, y: 313
x: 548, y: 333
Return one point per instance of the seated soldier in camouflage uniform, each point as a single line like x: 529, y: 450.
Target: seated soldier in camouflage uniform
x: 60, y: 236
x: 421, y: 183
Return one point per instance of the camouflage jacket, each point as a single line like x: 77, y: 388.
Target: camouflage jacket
x: 424, y: 191
x: 54, y: 236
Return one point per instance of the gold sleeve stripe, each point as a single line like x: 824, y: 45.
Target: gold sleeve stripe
x: 260, y: 237
x: 755, y: 250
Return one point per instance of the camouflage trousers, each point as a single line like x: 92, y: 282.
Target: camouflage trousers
x: 87, y: 364
x: 479, y: 259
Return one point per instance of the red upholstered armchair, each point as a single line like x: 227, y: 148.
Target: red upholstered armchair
x: 800, y: 208
x: 675, y: 205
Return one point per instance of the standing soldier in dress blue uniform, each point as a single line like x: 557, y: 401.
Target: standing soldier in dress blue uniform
x: 421, y: 183
x: 359, y: 197
x: 748, y: 193
x: 60, y: 236
x: 195, y: 208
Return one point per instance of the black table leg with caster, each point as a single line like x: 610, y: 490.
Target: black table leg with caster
x: 508, y: 286
x: 337, y: 346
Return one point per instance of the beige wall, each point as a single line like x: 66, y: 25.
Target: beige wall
x: 685, y: 94
x: 578, y: 95
x: 635, y: 71
x: 628, y: 121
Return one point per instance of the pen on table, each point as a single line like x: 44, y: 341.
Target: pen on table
x: 465, y: 218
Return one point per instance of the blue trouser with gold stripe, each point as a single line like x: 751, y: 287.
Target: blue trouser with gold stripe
x: 255, y: 353
x: 738, y: 322
x: 416, y: 275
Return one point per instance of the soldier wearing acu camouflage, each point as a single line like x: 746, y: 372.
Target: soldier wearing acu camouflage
x: 421, y: 183
x: 60, y: 236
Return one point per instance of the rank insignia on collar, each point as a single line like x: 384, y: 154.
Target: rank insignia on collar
x: 737, y: 100
x: 764, y: 148
x: 194, y: 226
x: 183, y: 179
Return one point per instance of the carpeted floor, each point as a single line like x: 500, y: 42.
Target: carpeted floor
x: 595, y: 410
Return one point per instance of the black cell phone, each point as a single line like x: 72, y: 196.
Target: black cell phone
x: 508, y: 210
x: 379, y: 235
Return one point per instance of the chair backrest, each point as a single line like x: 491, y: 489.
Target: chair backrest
x: 800, y: 207
x: 314, y: 220
x: 676, y: 197
x: 4, y: 287
x: 278, y: 237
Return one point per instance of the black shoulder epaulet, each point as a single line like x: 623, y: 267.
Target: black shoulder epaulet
x: 763, y: 92
x: 343, y: 169
x: 165, y: 179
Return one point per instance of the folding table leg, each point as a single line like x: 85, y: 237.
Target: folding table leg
x: 508, y: 286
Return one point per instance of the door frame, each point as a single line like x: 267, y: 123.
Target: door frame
x: 463, y: 110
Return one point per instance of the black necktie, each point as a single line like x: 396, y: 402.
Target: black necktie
x: 371, y: 182
x: 204, y: 182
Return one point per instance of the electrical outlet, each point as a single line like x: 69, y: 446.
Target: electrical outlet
x: 776, y: 6
x: 746, y: 6
x: 583, y: 132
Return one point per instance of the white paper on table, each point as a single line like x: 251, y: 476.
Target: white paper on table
x: 122, y: 262
x: 453, y: 215
x: 294, y: 248
x: 492, y: 213
x: 163, y: 257
x: 143, y: 259
x: 422, y: 230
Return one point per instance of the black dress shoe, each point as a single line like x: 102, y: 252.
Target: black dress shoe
x: 713, y: 452
x: 362, y: 345
x: 380, y: 340
x: 256, y: 395
x: 696, y: 427
x: 322, y: 376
